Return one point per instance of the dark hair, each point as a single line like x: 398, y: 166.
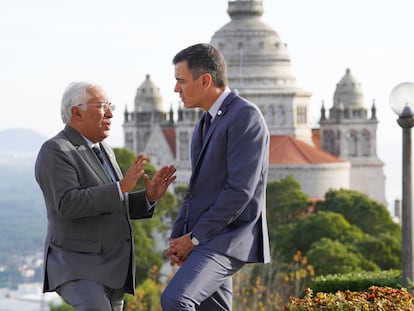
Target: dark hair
x: 204, y: 58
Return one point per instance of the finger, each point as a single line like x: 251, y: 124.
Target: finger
x: 141, y: 156
x: 170, y: 170
x: 141, y: 163
x: 146, y: 179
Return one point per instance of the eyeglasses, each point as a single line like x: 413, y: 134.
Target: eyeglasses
x: 103, y: 105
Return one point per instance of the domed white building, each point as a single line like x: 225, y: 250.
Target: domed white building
x: 351, y: 134
x: 341, y: 154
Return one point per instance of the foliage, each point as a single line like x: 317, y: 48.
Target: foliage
x: 337, y: 240
x: 246, y: 295
x: 146, y: 254
x: 147, y: 297
x: 124, y: 157
x: 268, y: 287
x: 386, y: 244
x: 370, y: 216
x: 331, y: 256
x: 285, y: 202
x: 356, y: 281
x: 307, y: 230
x: 61, y: 307
x: 381, y: 234
x: 376, y: 298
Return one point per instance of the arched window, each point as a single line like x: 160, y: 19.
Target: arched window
x: 365, y: 143
x: 301, y: 114
x: 352, y: 142
x: 328, y: 142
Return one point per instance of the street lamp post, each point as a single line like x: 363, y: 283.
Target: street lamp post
x: 402, y: 103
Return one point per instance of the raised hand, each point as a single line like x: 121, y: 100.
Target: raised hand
x: 156, y: 187
x: 133, y: 173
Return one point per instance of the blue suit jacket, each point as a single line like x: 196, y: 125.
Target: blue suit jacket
x: 225, y: 203
x: 89, y: 234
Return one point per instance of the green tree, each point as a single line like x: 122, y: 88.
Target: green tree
x: 285, y: 202
x: 301, y: 234
x: 330, y: 257
x: 382, y: 234
x: 370, y: 216
x: 383, y: 249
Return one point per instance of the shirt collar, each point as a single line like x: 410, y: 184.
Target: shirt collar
x: 91, y: 144
x: 217, y: 104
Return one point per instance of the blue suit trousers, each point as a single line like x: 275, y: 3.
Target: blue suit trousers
x: 202, y: 283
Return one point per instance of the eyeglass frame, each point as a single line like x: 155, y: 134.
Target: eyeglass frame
x: 102, y: 105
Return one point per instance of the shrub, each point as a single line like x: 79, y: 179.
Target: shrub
x: 375, y: 298
x: 356, y: 281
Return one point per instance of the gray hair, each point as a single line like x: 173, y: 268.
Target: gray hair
x: 75, y: 94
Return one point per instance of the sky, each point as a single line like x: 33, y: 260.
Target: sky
x: 46, y: 44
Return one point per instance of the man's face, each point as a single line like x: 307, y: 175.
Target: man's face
x: 95, y: 122
x: 191, y: 90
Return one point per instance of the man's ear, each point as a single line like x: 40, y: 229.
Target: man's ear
x: 75, y: 110
x: 206, y: 80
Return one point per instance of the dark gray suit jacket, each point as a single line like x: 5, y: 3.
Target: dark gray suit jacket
x: 89, y: 234
x: 225, y: 203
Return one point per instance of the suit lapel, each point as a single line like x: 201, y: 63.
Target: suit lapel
x: 196, y: 142
x: 198, y: 146
x: 111, y: 156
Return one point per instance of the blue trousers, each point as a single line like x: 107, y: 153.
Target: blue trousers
x: 202, y: 283
x: 86, y: 295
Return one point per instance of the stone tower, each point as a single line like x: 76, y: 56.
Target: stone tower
x: 148, y: 111
x: 350, y: 133
x: 258, y: 66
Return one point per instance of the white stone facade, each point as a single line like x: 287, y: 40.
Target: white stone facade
x: 315, y: 179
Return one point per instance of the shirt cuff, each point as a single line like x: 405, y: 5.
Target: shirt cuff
x: 150, y: 205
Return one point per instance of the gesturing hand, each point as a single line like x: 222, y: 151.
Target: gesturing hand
x: 133, y: 173
x: 156, y: 187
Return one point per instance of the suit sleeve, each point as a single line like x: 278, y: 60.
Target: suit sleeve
x: 138, y: 205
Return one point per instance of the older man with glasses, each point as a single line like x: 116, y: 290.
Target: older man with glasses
x: 89, y: 249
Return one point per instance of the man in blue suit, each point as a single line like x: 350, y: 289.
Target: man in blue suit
x: 221, y: 225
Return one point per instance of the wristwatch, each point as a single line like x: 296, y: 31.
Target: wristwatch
x: 194, y: 240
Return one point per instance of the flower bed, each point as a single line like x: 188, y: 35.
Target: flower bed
x: 375, y: 298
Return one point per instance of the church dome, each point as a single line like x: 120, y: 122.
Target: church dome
x: 256, y: 56
x: 348, y: 93
x: 148, y: 97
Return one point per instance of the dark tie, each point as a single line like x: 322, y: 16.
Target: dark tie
x: 98, y: 153
x: 207, y: 122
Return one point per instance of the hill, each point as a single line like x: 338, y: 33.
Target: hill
x: 22, y: 212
